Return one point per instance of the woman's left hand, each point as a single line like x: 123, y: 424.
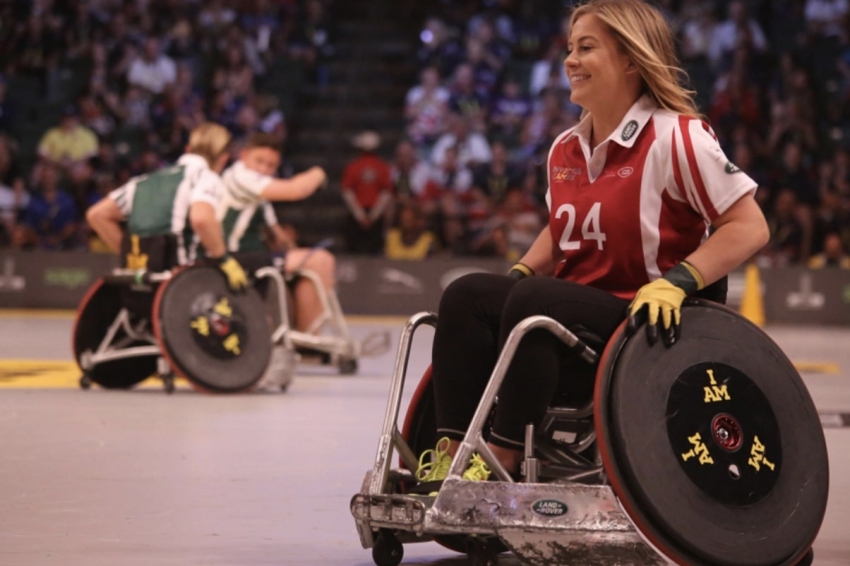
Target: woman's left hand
x: 662, y: 297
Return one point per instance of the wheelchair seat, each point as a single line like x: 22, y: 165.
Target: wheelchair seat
x: 709, y: 452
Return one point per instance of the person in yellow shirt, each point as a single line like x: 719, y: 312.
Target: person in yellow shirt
x: 832, y: 255
x: 68, y: 143
x: 409, y: 240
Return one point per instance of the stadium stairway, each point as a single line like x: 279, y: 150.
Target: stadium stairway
x: 372, y: 68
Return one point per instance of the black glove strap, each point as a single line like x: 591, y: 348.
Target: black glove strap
x: 520, y: 271
x: 682, y: 276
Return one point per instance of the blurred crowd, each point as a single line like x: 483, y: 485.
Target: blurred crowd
x: 109, y: 89
x: 93, y: 92
x: 772, y: 77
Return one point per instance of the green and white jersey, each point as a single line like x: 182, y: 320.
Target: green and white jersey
x: 158, y: 203
x: 243, y: 212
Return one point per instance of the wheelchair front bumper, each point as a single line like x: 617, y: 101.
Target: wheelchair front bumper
x: 541, y: 523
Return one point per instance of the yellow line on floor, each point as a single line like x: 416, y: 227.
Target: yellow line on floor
x: 38, y: 313
x: 38, y: 373
x: 817, y: 367
x: 52, y: 374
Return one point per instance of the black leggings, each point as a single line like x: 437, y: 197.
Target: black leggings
x: 477, y: 312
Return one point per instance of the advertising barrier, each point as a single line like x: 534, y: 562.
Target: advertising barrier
x: 49, y: 280
x: 377, y: 286
x: 795, y: 295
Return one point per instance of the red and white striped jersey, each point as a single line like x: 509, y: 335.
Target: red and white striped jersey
x: 642, y: 202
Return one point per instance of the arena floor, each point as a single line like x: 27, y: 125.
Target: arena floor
x: 142, y: 478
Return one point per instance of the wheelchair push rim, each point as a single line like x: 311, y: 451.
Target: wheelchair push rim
x: 713, y: 447
x: 96, y: 312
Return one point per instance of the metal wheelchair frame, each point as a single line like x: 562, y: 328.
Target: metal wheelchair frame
x: 108, y: 350
x: 585, y: 524
x: 342, y: 350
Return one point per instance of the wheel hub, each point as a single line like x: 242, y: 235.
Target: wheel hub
x: 724, y: 434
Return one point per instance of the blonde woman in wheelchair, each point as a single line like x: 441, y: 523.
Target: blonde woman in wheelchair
x: 633, y: 190
x: 176, y: 200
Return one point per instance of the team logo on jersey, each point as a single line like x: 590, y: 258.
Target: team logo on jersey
x: 731, y: 168
x: 625, y: 172
x: 629, y: 130
x: 565, y: 173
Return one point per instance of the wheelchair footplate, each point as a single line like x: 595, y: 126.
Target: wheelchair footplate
x: 327, y: 342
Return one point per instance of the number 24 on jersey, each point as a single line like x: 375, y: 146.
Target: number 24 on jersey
x: 590, y: 227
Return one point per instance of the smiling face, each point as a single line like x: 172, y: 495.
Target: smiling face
x: 596, y: 66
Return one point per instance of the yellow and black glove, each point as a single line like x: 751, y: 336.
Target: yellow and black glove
x: 664, y: 296
x: 520, y: 271
x: 236, y: 278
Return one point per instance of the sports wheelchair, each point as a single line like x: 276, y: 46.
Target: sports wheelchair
x: 328, y: 339
x: 156, y: 317
x: 706, y: 453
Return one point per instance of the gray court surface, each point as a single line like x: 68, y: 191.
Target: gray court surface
x: 141, y: 478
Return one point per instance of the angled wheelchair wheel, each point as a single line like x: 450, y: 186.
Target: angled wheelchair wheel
x: 95, y: 314
x: 713, y: 446
x: 219, y: 340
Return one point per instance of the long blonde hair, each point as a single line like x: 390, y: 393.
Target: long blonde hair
x: 644, y: 35
x: 209, y: 140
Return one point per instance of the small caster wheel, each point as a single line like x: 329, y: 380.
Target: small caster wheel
x: 347, y: 366
x: 387, y: 551
x: 168, y: 383
x: 85, y: 381
x: 481, y: 552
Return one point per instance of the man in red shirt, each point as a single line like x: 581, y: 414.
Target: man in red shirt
x: 367, y: 190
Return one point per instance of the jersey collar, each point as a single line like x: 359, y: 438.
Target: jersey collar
x: 194, y: 160
x: 629, y: 128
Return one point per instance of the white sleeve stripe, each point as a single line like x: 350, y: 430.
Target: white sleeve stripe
x: 241, y: 192
x: 249, y: 181
x: 700, y: 187
x: 123, y: 197
x: 682, y: 193
x: 240, y: 198
x: 206, y: 186
x: 651, y: 203
x: 689, y: 189
x: 719, y: 185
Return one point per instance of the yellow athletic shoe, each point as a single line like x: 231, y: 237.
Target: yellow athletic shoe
x: 478, y: 469
x: 431, y: 473
x: 436, y: 468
